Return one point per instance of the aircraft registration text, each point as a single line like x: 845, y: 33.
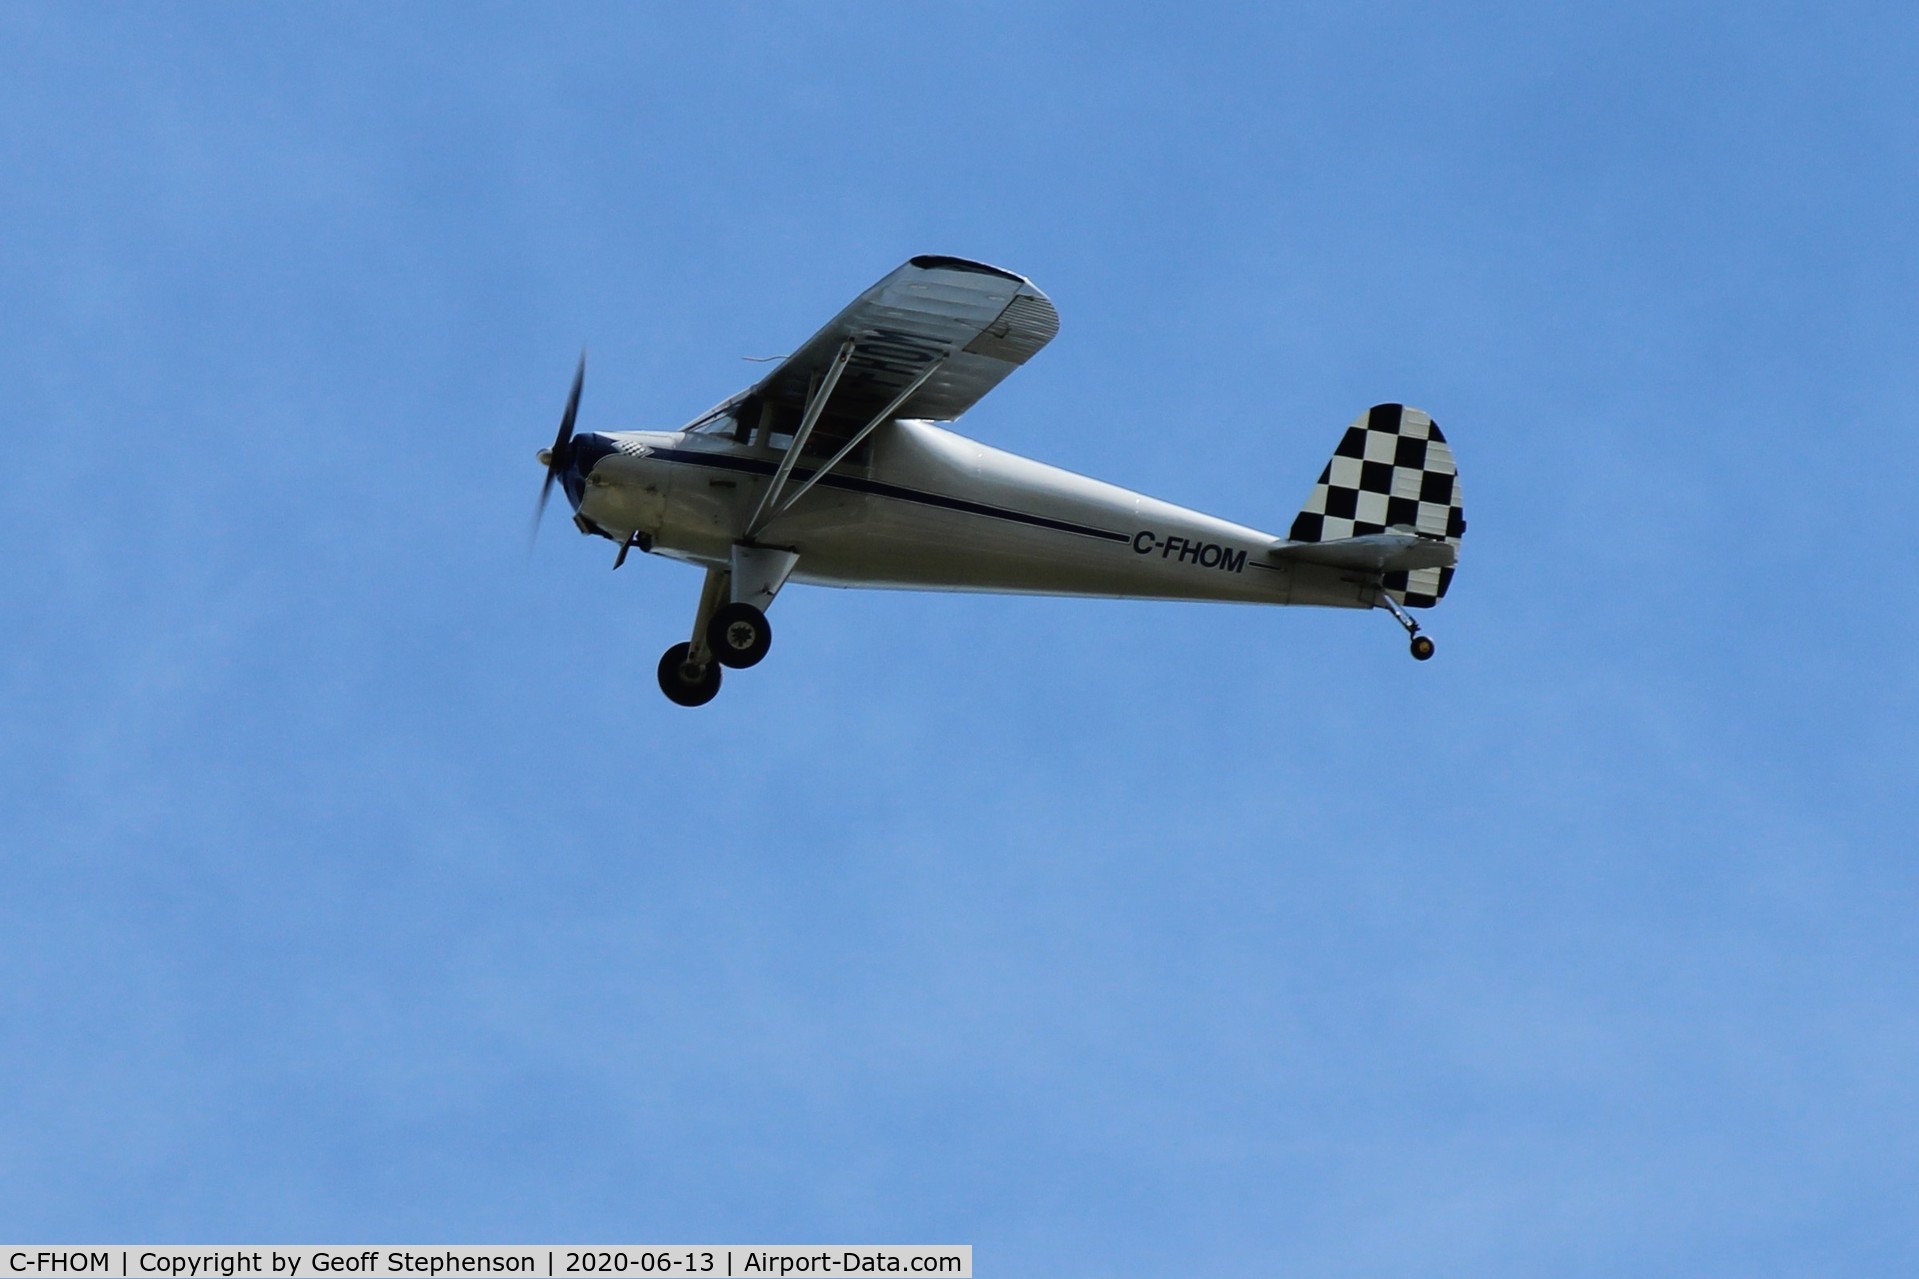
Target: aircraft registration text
x: 1204, y: 554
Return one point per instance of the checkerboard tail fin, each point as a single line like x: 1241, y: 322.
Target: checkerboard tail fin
x: 1393, y: 472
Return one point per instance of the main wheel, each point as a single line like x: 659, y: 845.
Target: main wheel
x: 1422, y: 648
x: 685, y: 683
x: 739, y: 635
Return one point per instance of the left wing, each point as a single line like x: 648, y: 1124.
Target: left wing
x: 977, y: 322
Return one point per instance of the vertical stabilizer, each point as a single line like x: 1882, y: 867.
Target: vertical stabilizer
x: 1392, y: 472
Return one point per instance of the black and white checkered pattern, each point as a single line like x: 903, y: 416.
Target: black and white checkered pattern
x: 1392, y: 470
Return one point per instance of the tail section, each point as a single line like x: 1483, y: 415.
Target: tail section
x: 1392, y: 474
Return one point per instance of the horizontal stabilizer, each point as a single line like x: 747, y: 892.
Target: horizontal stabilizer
x: 1374, y: 553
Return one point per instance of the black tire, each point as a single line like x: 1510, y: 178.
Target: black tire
x: 678, y: 688
x: 1422, y: 648
x: 739, y: 635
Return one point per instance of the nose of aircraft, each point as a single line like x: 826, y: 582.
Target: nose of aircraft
x: 588, y: 449
x: 582, y: 453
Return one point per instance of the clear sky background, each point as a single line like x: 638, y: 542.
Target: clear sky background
x: 358, y: 883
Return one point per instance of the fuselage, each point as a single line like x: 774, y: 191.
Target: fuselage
x: 927, y: 509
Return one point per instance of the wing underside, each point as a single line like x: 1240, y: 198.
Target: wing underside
x: 977, y: 322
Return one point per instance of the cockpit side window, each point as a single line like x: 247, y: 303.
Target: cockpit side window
x: 772, y: 428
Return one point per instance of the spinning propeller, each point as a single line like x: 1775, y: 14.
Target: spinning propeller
x: 560, y: 456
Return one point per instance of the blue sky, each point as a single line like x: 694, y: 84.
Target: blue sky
x: 359, y: 885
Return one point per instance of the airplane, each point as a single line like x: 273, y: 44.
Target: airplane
x: 832, y: 470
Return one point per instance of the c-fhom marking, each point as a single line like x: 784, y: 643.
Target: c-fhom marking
x: 1204, y: 554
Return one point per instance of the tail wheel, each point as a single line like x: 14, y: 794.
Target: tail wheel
x: 739, y: 635
x: 685, y: 683
x: 1422, y: 648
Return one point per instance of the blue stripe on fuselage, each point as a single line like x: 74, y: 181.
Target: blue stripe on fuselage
x: 877, y: 488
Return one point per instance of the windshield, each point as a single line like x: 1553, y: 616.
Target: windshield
x: 716, y: 423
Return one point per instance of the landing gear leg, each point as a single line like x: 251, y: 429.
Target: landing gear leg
x: 1422, y: 647
x: 688, y: 673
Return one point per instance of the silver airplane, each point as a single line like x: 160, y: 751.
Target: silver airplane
x: 830, y: 470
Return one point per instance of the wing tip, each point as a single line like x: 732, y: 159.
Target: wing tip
x: 941, y: 261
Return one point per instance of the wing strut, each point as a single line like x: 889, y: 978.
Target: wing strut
x: 814, y: 408
x: 846, y: 448
x: 770, y: 508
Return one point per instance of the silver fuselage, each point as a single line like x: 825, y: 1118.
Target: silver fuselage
x: 928, y: 509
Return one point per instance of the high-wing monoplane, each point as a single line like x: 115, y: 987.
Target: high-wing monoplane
x: 831, y: 470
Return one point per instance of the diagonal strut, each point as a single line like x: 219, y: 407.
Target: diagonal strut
x: 882, y: 416
x: 814, y: 408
